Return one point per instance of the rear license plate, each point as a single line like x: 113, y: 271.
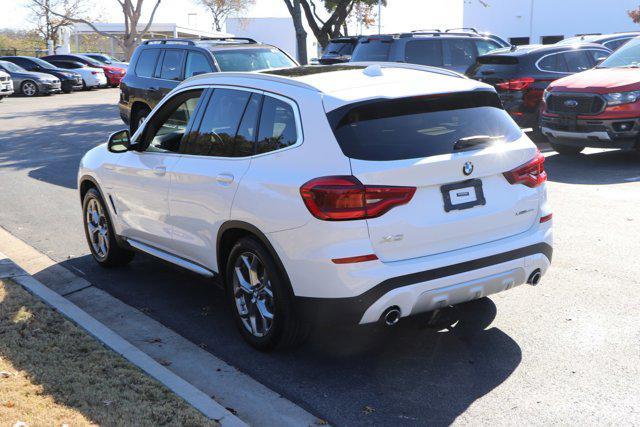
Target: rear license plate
x: 462, y: 195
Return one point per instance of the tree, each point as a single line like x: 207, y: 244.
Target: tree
x: 221, y: 9
x: 323, y: 29
x: 634, y: 15
x: 132, y: 14
x: 47, y: 25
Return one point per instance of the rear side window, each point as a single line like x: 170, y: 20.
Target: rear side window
x: 577, y: 61
x: 277, y: 126
x: 196, y: 64
x: 146, y: 63
x: 459, y: 52
x: 418, y: 127
x: 172, y: 64
x: 554, y: 63
x: 424, y: 52
x: 220, y: 124
x: 372, y: 50
x: 615, y: 44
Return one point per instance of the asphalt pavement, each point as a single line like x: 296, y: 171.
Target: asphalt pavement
x: 565, y: 352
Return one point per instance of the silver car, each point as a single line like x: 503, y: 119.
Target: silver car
x: 6, y: 85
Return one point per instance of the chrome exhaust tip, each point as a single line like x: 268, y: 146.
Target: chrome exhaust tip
x: 534, y: 278
x: 391, y: 316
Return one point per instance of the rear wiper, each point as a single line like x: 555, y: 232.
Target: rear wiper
x: 476, y: 141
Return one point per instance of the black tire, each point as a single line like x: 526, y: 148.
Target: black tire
x: 285, y: 330
x: 68, y: 91
x: 29, y: 88
x: 566, y: 150
x: 114, y: 255
x: 138, y: 116
x: 1, y: 98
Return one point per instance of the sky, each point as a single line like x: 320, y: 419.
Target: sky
x: 187, y: 13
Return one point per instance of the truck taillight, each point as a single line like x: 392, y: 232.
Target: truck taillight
x: 531, y: 174
x: 517, y: 84
x: 343, y: 198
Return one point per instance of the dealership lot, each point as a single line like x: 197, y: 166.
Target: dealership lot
x: 564, y: 352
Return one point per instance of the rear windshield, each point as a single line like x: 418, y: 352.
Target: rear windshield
x: 339, y: 48
x: 417, y: 127
x: 372, y: 50
x: 252, y: 59
x: 494, y: 64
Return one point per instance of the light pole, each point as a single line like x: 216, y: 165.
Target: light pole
x: 379, y: 17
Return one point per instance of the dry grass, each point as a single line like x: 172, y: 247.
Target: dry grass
x: 53, y: 373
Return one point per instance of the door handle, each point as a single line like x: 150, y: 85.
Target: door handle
x: 224, y: 178
x: 160, y: 170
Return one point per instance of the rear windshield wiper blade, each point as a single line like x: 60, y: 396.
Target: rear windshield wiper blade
x: 476, y: 141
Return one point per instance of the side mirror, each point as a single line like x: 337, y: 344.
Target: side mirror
x: 119, y: 142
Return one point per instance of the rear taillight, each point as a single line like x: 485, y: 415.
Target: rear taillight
x: 531, y: 174
x: 517, y: 84
x: 343, y: 198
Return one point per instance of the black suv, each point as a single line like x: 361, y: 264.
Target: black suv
x: 338, y: 50
x: 69, y: 80
x: 455, y: 51
x: 520, y: 74
x: 157, y: 66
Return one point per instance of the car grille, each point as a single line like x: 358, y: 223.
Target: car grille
x: 575, y: 103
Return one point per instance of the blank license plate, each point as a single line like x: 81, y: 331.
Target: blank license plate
x: 462, y: 195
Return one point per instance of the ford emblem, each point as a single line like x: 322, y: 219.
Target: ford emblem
x: 467, y: 169
x: 571, y: 103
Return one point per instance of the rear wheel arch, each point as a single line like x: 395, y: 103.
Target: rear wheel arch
x: 232, y: 231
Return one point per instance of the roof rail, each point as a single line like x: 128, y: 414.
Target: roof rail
x: 428, y: 30
x: 436, y: 34
x: 225, y: 39
x: 471, y: 29
x: 167, y: 41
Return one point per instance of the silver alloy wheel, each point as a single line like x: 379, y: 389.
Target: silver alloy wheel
x: 98, y: 229
x: 29, y: 88
x: 253, y: 294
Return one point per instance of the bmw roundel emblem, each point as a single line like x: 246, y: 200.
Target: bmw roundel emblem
x: 467, y: 169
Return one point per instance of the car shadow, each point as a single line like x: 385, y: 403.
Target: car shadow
x: 599, y: 168
x: 365, y: 375
x: 52, y: 152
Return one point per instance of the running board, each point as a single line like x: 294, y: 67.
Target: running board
x: 181, y: 262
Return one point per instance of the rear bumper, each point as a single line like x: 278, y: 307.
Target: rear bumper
x: 618, y: 133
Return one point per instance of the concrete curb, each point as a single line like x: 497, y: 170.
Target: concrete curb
x: 195, y: 397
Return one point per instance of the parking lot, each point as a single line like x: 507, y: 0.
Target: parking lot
x: 565, y: 352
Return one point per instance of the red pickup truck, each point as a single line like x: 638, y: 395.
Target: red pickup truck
x: 596, y: 108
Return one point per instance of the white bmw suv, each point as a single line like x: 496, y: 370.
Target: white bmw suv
x: 354, y: 194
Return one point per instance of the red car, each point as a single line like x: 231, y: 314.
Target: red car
x: 596, y: 108
x: 114, y: 74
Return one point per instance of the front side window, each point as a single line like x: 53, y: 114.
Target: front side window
x: 219, y: 124
x: 424, y: 52
x: 196, y: 64
x: 172, y: 64
x: 419, y: 127
x: 147, y: 62
x: 597, y: 56
x: 486, y: 46
x: 277, y: 126
x: 165, y: 131
x: 577, y: 61
x: 615, y: 44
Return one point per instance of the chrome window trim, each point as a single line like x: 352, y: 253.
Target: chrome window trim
x: 537, y: 64
x: 293, y: 104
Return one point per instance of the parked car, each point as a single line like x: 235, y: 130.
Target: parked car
x: 453, y: 51
x: 596, y: 108
x: 107, y: 60
x: 69, y: 80
x: 6, y: 85
x: 91, y: 77
x: 113, y: 74
x: 521, y: 74
x: 338, y: 50
x: 318, y: 203
x: 158, y: 66
x: 30, y: 83
x: 610, y: 41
